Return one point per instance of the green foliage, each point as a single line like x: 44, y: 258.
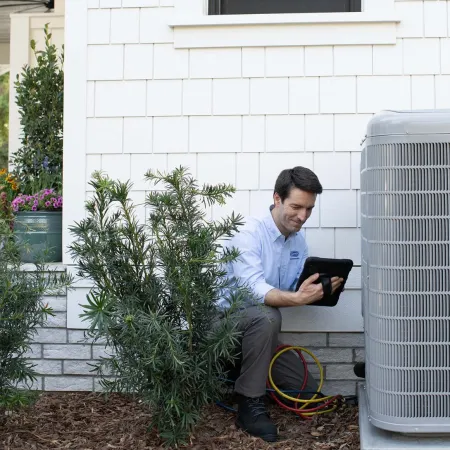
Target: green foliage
x: 157, y: 287
x: 4, y: 120
x: 8, y: 190
x: 40, y: 100
x: 21, y: 311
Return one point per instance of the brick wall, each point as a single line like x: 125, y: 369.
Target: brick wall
x: 62, y: 356
x: 337, y: 353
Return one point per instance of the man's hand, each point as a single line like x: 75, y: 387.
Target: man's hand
x: 336, y: 283
x: 310, y: 292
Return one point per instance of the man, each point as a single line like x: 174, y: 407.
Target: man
x: 273, y: 252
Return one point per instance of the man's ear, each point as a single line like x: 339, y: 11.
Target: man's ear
x: 276, y: 199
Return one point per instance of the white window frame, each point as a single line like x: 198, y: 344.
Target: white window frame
x: 194, y: 28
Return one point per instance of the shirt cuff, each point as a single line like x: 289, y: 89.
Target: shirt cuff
x: 261, y: 289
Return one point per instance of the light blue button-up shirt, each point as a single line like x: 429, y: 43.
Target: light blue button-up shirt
x: 268, y: 260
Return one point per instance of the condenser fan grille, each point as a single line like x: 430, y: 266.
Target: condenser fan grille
x: 420, y: 155
x: 424, y: 406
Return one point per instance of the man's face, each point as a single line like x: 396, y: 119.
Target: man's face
x: 291, y: 214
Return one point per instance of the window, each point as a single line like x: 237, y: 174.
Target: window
x: 282, y: 6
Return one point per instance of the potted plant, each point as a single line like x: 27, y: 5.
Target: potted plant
x: 38, y: 226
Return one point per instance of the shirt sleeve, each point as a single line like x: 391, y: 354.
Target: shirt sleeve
x: 248, y: 268
x: 302, y: 264
x: 304, y: 256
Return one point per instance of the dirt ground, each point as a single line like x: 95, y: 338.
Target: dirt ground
x: 85, y: 421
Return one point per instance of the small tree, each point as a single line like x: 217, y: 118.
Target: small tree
x: 40, y: 100
x: 157, y: 286
x: 21, y: 311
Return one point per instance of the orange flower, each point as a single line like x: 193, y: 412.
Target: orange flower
x: 14, y: 186
x: 2, y: 172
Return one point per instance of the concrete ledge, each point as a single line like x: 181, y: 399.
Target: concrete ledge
x: 57, y: 267
x: 373, y: 438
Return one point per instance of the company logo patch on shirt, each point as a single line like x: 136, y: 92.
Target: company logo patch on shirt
x: 295, y: 254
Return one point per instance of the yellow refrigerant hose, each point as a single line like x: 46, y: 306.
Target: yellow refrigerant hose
x: 303, y: 407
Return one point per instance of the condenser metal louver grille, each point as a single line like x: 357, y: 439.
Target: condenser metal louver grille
x: 405, y: 228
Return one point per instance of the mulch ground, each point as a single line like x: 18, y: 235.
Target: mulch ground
x: 87, y: 421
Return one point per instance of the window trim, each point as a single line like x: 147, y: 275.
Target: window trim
x: 194, y: 28
x: 214, y: 7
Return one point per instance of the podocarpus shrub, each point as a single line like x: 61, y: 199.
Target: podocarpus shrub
x: 22, y: 310
x: 157, y: 286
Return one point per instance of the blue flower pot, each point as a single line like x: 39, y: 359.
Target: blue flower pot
x: 39, y: 234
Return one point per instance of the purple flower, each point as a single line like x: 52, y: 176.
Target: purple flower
x: 44, y: 199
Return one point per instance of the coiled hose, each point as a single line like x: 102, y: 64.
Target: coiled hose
x: 305, y: 408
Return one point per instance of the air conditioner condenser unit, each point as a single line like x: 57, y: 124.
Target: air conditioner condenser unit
x: 405, y: 231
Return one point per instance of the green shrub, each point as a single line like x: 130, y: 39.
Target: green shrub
x: 156, y: 291
x: 21, y: 311
x: 38, y: 162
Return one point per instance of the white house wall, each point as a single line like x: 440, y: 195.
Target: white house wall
x: 144, y: 90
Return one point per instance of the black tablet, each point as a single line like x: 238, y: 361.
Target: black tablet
x: 327, y: 268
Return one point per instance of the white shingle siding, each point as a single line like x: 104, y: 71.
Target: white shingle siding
x: 241, y: 114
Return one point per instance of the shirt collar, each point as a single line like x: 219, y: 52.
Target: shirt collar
x: 271, y: 226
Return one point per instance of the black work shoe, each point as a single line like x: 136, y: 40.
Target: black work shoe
x: 254, y: 419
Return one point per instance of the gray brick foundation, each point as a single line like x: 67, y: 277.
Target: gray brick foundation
x: 64, y: 359
x: 337, y: 353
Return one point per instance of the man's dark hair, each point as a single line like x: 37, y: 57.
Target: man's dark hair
x: 298, y: 177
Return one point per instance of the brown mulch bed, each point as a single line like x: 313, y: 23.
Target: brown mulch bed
x: 85, y: 421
